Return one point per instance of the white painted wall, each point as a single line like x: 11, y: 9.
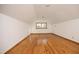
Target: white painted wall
x: 34, y: 30
x: 68, y: 29
x: 23, y: 12
x: 11, y: 32
x: 0, y: 33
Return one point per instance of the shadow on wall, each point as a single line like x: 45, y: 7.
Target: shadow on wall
x: 68, y: 29
x: 13, y: 31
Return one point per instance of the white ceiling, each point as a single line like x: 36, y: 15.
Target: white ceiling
x: 29, y: 13
x: 22, y: 12
x: 58, y: 13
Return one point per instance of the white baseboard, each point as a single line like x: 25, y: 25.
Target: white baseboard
x: 67, y: 37
x: 4, y: 51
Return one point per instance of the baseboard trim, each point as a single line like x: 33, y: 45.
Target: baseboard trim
x: 40, y: 34
x: 24, y: 39
x: 17, y: 43
x: 66, y: 38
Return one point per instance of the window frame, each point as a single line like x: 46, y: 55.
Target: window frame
x: 41, y: 27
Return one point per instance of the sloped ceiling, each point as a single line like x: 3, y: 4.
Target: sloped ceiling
x: 22, y: 12
x: 29, y: 13
x: 58, y: 13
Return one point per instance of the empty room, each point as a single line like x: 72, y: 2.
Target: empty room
x: 39, y: 29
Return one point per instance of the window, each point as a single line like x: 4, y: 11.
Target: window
x: 41, y: 25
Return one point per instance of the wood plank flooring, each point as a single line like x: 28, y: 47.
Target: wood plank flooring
x: 45, y: 44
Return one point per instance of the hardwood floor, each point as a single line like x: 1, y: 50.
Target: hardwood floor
x: 45, y: 44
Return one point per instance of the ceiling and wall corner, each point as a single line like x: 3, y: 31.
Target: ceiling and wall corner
x: 12, y: 31
x: 23, y: 12
x: 48, y: 30
x: 28, y: 13
x: 68, y: 29
x: 55, y: 13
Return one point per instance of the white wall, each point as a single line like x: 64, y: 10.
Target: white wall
x: 23, y: 12
x: 0, y: 33
x: 68, y: 29
x: 11, y: 32
x: 34, y: 30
